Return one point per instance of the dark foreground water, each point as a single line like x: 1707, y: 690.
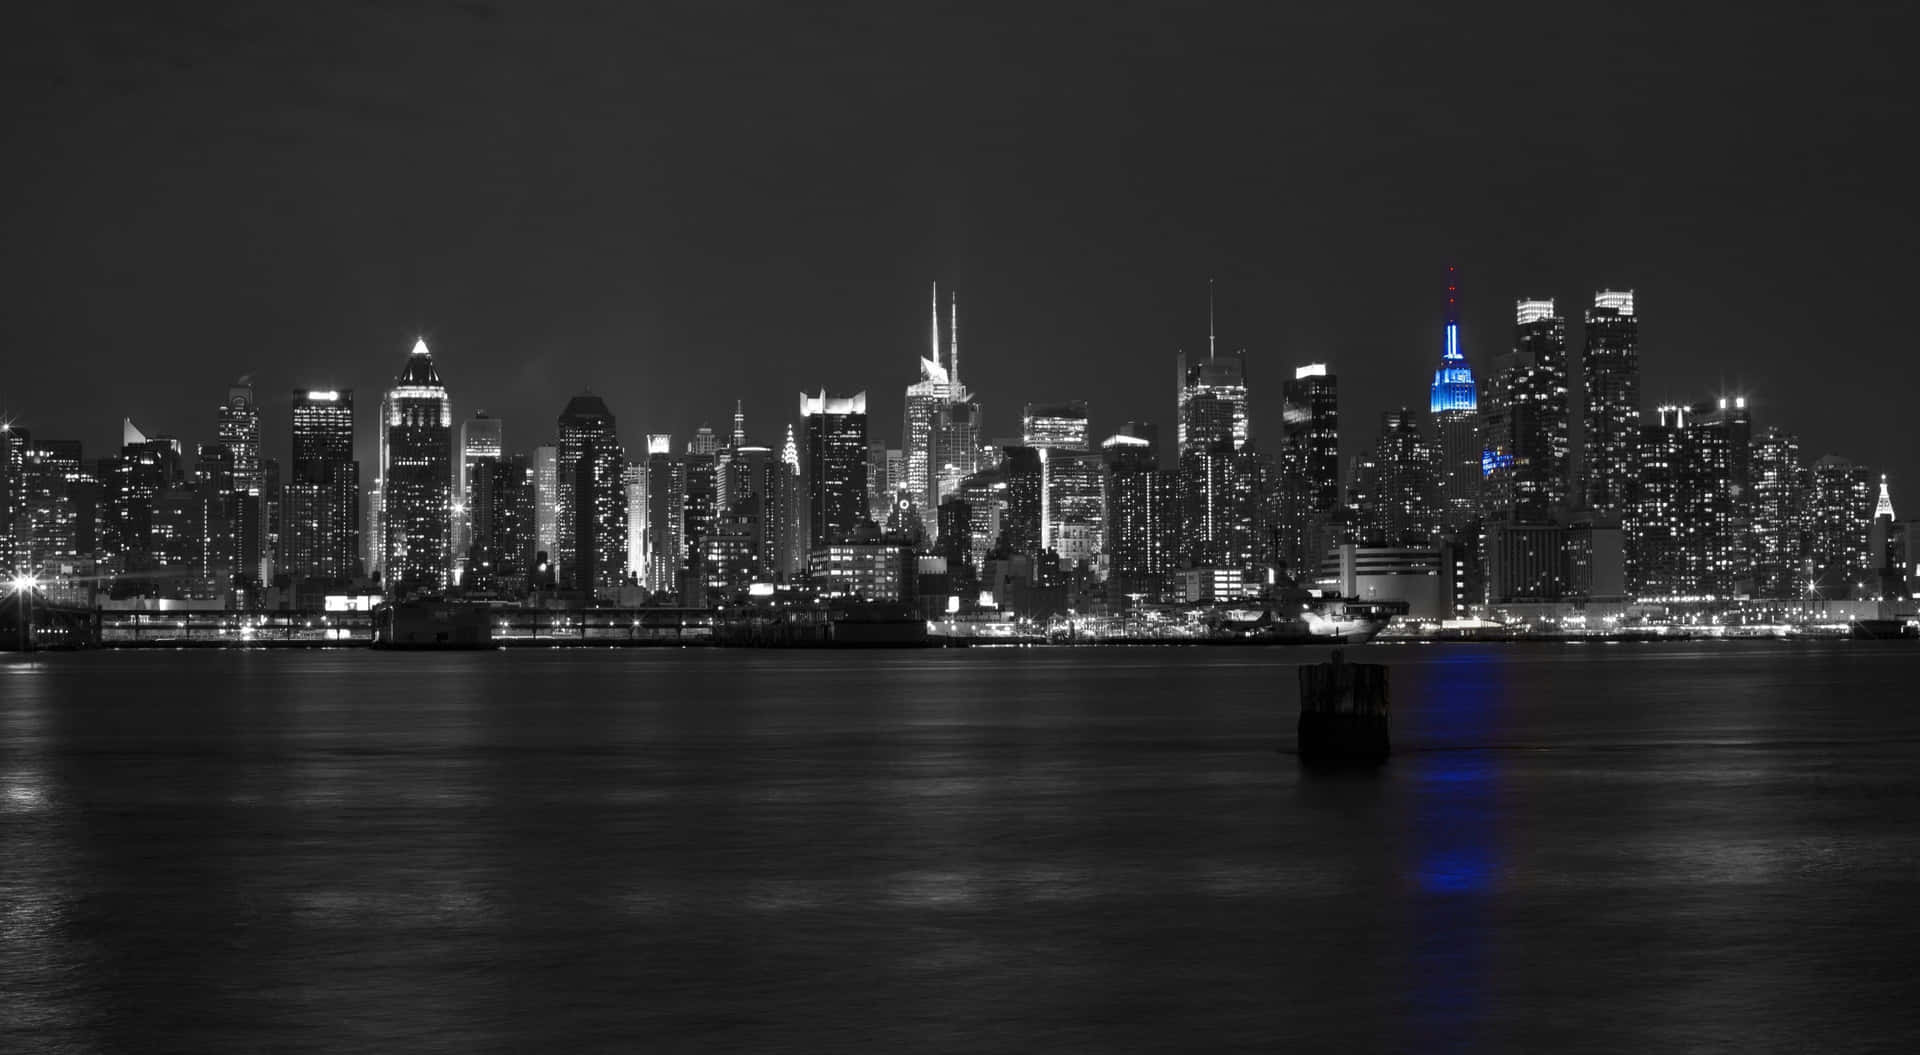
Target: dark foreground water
x: 1619, y: 848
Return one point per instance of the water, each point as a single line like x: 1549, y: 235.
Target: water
x: 1607, y: 848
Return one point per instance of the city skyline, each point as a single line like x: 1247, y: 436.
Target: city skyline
x: 581, y: 210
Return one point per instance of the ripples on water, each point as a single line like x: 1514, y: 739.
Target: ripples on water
x: 1608, y: 848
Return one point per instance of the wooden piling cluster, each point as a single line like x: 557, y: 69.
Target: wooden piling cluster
x: 1343, y: 712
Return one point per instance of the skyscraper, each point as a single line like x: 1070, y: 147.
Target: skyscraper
x: 1062, y: 426
x: 953, y: 446
x: 320, y: 514
x: 239, y: 433
x: 593, y: 497
x: 1310, y: 466
x: 1210, y: 396
x: 1454, y: 402
x: 1525, y: 419
x: 480, y: 446
x: 1779, y: 515
x: 1610, y: 366
x: 1397, y: 486
x: 416, y: 478
x: 1839, y: 527
x: 546, y: 503
x: 1142, y: 515
x: 666, y: 498
x: 938, y: 387
x: 836, y: 465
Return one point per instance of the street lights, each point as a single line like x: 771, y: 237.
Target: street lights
x: 24, y: 583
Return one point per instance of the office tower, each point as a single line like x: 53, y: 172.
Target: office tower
x: 879, y: 494
x: 53, y: 520
x: 500, y: 509
x: 593, y: 497
x: 129, y: 484
x: 1887, y: 579
x: 704, y: 441
x: 699, y: 506
x: 320, y: 497
x: 1023, y: 515
x: 13, y: 463
x: 793, y: 543
x: 666, y: 503
x: 836, y: 465
x: 192, y: 533
x: 637, y: 533
x: 743, y: 546
x: 1454, y: 402
x: 239, y: 433
x: 1839, y: 525
x: 1309, y: 466
x: 1657, y: 530
x: 1610, y: 366
x: 1143, y: 514
x: 1062, y: 426
x: 953, y: 447
x: 416, y: 478
x: 546, y: 504
x: 1525, y: 419
x: 938, y: 387
x: 1719, y: 506
x: 1397, y: 486
x: 1210, y: 396
x: 984, y: 494
x: 480, y: 445
x: 1778, y: 528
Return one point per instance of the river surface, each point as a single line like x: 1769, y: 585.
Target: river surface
x: 1712, y: 846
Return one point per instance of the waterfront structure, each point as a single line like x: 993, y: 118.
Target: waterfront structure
x: 1454, y: 403
x: 836, y: 465
x: 416, y: 478
x: 320, y: 497
x: 1610, y: 368
x: 593, y: 497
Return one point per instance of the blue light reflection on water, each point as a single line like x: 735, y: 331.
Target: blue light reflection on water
x: 1454, y: 841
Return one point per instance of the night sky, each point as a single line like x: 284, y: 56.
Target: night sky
x: 678, y: 205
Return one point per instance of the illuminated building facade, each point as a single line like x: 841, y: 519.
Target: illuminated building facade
x: 953, y: 446
x: 320, y: 497
x: 1779, y: 524
x: 54, y: 526
x: 836, y: 465
x: 1839, y: 525
x: 1396, y: 489
x: 593, y: 497
x: 239, y: 432
x: 1211, y: 401
x: 1610, y: 367
x: 500, y: 506
x: 666, y: 503
x: 1309, y: 466
x: 1454, y: 402
x: 416, y: 478
x: 546, y: 502
x: 939, y: 387
x: 480, y: 445
x: 1061, y: 426
x: 1142, y: 547
x: 1525, y: 419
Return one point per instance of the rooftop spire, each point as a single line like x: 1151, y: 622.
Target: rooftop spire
x: 1210, y: 348
x: 1452, y: 351
x: 936, y: 323
x: 1884, y: 507
x: 953, y: 342
x: 739, y: 426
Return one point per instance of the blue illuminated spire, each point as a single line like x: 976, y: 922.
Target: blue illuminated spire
x: 1453, y: 387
